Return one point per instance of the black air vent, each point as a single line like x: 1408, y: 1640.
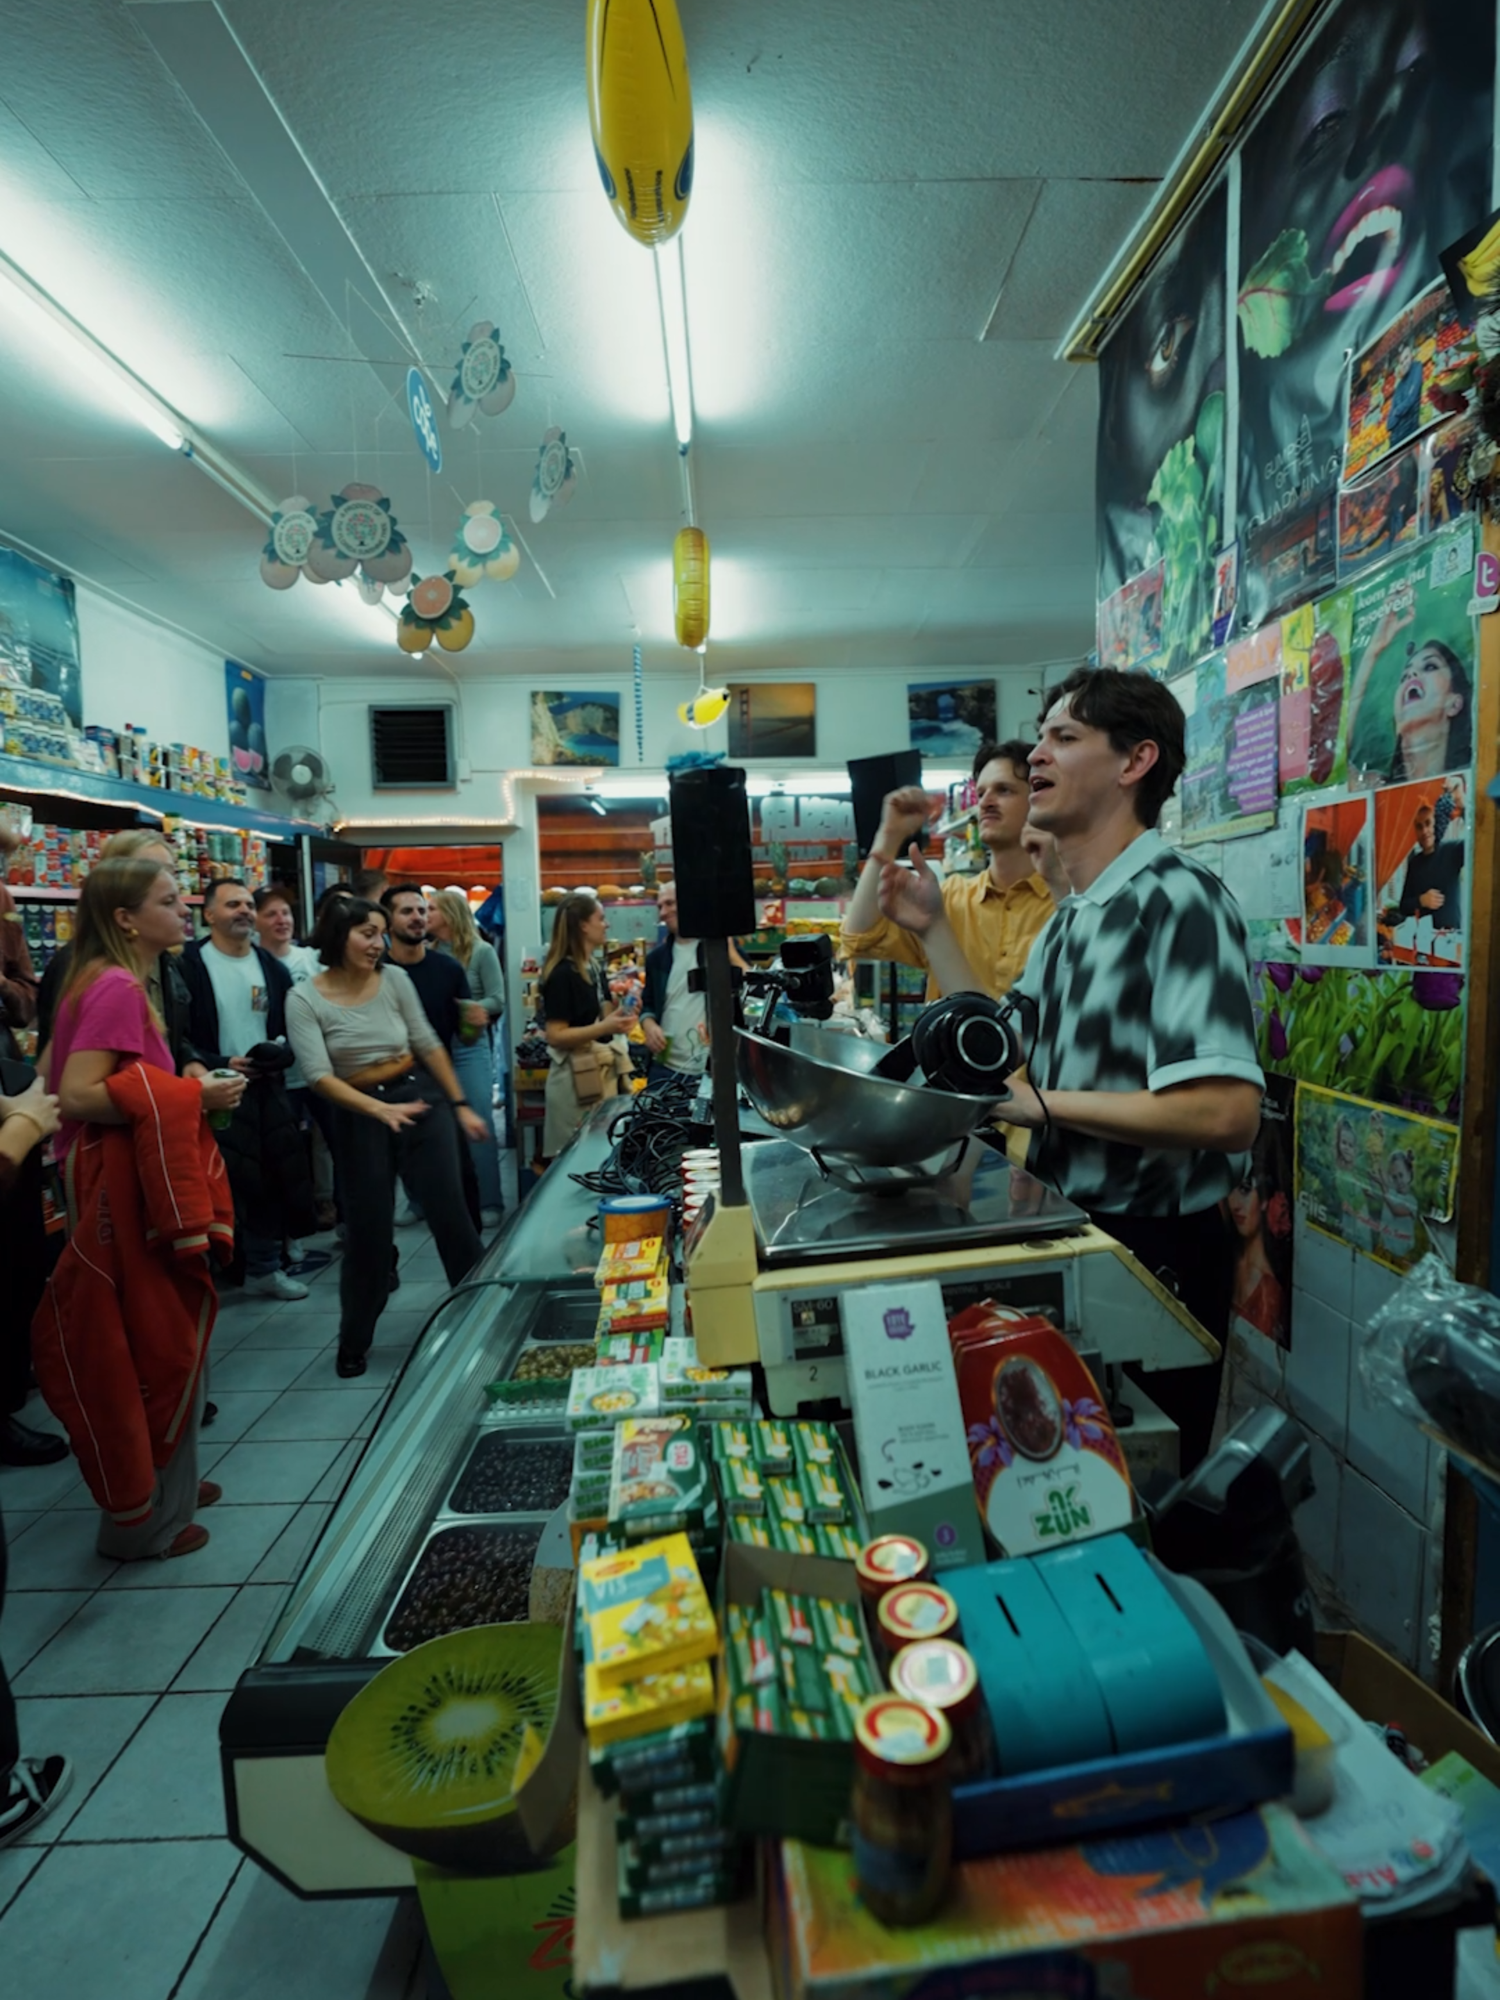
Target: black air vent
x: 411, y: 748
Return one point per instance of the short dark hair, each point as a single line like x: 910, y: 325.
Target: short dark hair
x: 1014, y: 751
x: 275, y: 892
x: 218, y: 883
x: 1130, y: 709
x: 366, y: 882
x: 388, y: 896
x: 336, y: 923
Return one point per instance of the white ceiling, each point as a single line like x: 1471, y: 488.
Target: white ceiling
x: 264, y: 207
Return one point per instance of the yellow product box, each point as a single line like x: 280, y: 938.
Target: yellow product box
x: 641, y: 1257
x: 638, y: 1708
x: 645, y: 1611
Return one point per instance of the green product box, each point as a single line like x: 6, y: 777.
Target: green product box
x: 733, y: 1441
x: 659, y: 1475
x: 755, y: 1534
x: 695, y: 1892
x: 786, y: 1502
x: 683, y: 1753
x: 593, y: 1451
x: 773, y: 1446
x: 792, y: 1617
x: 815, y: 1444
x: 802, y: 1680
x: 742, y: 1487
x: 601, y: 1397
x: 792, y: 1540
x: 823, y: 1494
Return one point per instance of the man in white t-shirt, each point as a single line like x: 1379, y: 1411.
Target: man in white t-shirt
x: 238, y: 994
x: 674, y: 1018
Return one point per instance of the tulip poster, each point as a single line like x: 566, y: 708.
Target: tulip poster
x: 1395, y: 1037
x: 1374, y: 1178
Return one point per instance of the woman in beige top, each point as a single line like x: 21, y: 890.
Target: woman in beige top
x: 365, y: 1045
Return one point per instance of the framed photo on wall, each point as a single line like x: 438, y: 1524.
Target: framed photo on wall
x: 773, y: 719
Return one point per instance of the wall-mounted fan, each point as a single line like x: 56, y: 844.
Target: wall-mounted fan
x: 300, y: 778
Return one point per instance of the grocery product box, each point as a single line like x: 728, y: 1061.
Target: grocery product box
x: 645, y: 1610
x: 1245, y: 1904
x: 913, y: 1451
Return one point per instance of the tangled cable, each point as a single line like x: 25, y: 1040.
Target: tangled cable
x: 650, y: 1137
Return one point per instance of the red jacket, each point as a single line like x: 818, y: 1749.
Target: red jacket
x: 119, y: 1340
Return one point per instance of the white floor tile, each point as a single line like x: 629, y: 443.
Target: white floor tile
x: 256, y: 1473
x: 260, y: 1368
x: 267, y: 1944
x: 17, y: 1865
x: 291, y: 1329
x: 234, y: 1642
x: 32, y: 1488
x: 238, y: 1410
x: 90, y: 1730
x: 59, y: 1554
x: 113, y: 1922
x: 284, y: 1562
x: 31, y: 1618
x: 238, y: 1537
x: 332, y: 1484
x: 167, y: 1780
x: 119, y: 1641
x: 317, y: 1413
x: 16, y: 1523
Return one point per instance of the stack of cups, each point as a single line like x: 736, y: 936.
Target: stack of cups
x: 700, y: 1179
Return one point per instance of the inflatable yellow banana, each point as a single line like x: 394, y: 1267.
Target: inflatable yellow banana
x: 641, y: 113
x: 1481, y: 268
x: 690, y: 586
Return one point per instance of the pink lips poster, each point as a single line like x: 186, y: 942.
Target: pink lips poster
x: 1417, y: 370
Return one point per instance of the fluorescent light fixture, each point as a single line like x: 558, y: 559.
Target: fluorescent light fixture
x: 671, y: 296
x: 88, y: 361
x: 596, y: 802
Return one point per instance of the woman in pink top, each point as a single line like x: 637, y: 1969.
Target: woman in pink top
x: 129, y: 913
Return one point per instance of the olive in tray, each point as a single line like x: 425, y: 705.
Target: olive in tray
x: 553, y: 1364
x: 514, y: 1476
x: 466, y: 1576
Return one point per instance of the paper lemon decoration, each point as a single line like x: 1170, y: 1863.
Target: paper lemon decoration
x: 434, y: 611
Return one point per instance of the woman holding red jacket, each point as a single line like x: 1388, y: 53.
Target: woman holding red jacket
x: 122, y: 1334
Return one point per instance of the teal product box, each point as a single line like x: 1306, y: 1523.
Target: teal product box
x: 913, y: 1449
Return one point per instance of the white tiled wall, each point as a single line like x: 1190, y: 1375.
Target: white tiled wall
x: 1372, y: 1533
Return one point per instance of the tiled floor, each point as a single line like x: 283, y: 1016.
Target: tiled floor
x: 130, y: 1890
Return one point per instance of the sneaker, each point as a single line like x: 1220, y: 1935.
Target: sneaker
x: 277, y: 1285
x: 406, y: 1216
x: 492, y: 1218
x: 36, y: 1785
x: 295, y: 1251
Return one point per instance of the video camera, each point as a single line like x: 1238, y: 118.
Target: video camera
x: 802, y: 975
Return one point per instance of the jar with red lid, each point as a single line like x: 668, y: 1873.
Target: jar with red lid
x: 915, y: 1611
x: 887, y: 1561
x: 903, y: 1809
x: 943, y: 1677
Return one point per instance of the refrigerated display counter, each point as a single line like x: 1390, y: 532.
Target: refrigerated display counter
x: 453, y: 1515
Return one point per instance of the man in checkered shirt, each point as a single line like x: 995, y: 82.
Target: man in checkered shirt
x: 1143, y: 1089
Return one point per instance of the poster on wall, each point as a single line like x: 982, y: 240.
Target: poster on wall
x: 1395, y: 1037
x: 1412, y: 674
x: 1415, y: 372
x: 774, y: 718
x: 245, y: 696
x: 575, y: 728
x: 1372, y: 156
x: 1421, y: 838
x: 1380, y: 513
x: 39, y: 632
x: 1338, y: 863
x: 1228, y: 786
x: 1160, y: 470
x: 1129, y: 624
x: 1259, y: 1211
x: 950, y: 718
x: 1373, y: 1177
x: 1447, y: 483
x: 1314, y: 680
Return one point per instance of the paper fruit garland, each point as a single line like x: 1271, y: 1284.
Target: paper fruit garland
x: 556, y: 475
x: 294, y: 529
x: 434, y: 610
x: 482, y: 547
x: 359, y: 532
x: 484, y: 379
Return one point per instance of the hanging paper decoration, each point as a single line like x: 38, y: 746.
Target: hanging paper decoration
x: 434, y: 610
x: 705, y: 708
x: 359, y: 532
x: 482, y: 547
x: 484, y: 379
x: 641, y: 114
x: 690, y: 587
x: 556, y: 475
x: 640, y: 707
x: 294, y: 529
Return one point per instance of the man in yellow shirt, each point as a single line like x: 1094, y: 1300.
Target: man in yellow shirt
x: 996, y: 915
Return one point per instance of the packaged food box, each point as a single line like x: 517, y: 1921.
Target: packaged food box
x: 638, y: 1349
x: 638, y: 1257
x: 741, y: 1487
x: 772, y: 1441
x: 661, y: 1764
x: 637, y: 1708
x: 659, y: 1472
x: 645, y: 1610
x: 600, y: 1397
x: 711, y: 1389
x: 732, y: 1441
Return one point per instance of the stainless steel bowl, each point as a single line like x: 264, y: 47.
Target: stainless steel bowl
x: 844, y: 1115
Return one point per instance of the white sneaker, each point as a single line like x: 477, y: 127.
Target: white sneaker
x: 492, y: 1217
x: 295, y: 1251
x: 277, y: 1285
x: 406, y: 1215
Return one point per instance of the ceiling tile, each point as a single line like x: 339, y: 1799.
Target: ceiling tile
x: 1074, y: 231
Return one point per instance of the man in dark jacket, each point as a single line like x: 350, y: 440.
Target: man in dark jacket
x: 238, y: 995
x: 443, y: 989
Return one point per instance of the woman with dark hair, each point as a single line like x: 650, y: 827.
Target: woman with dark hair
x: 365, y: 1045
x: 1432, y: 709
x: 585, y: 1030
x: 1261, y: 1218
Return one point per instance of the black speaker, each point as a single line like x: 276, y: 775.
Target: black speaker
x: 711, y: 856
x: 870, y: 779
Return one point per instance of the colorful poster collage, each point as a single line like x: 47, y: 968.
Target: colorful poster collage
x: 1374, y: 1178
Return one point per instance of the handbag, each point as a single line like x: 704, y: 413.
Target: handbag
x: 588, y: 1079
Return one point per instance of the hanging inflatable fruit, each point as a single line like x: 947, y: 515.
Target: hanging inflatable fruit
x: 690, y: 587
x: 434, y: 611
x: 641, y: 114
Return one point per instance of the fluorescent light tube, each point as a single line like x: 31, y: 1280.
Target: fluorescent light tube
x: 95, y: 364
x: 671, y: 296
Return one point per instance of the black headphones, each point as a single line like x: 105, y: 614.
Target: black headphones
x: 964, y: 1043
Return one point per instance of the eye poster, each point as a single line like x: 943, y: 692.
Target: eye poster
x: 1374, y: 1178
x: 1411, y: 676
x: 1421, y: 838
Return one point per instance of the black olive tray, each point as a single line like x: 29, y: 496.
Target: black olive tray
x: 509, y: 1474
x: 426, y: 1606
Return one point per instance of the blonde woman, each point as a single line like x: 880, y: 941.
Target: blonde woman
x: 585, y: 1030
x: 450, y: 924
